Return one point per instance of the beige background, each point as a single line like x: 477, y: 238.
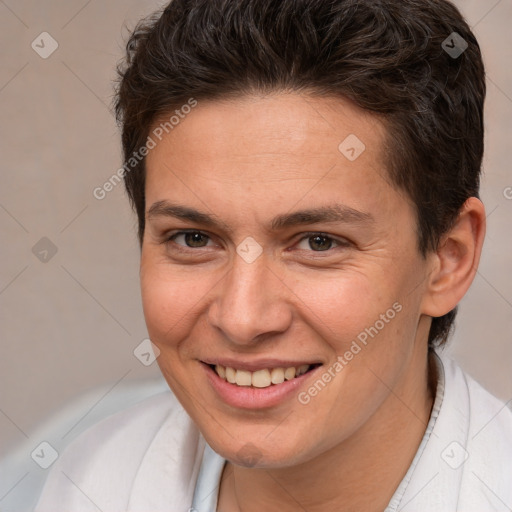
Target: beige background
x: 72, y: 323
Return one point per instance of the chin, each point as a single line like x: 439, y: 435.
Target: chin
x: 264, y: 454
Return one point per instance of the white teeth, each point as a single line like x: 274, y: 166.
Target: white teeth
x: 289, y: 373
x: 260, y: 378
x: 277, y: 376
x: 301, y: 370
x: 230, y: 375
x: 243, y: 378
x: 221, y: 371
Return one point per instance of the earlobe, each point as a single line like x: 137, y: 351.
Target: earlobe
x: 456, y: 260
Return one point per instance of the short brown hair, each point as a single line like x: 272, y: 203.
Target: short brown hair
x: 388, y: 56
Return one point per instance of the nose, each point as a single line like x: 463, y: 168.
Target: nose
x: 251, y: 304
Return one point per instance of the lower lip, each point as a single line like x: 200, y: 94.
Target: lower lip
x: 248, y: 397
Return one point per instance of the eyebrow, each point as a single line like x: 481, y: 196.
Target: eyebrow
x: 325, y: 214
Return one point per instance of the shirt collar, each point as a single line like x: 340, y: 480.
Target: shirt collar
x: 431, y: 480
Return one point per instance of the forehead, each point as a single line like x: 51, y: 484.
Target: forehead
x: 287, y: 146
x: 276, y: 127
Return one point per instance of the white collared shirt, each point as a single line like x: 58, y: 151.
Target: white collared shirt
x: 152, y: 458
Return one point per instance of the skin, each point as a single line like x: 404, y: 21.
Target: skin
x: 245, y: 162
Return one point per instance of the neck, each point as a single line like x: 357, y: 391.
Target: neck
x: 360, y: 473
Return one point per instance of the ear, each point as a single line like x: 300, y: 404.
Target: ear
x: 455, y: 262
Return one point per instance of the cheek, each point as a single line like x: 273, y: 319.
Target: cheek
x: 171, y: 300
x: 341, y: 306
x: 368, y: 318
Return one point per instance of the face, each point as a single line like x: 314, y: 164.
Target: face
x: 273, y: 248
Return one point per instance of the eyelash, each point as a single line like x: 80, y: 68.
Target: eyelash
x: 183, y: 248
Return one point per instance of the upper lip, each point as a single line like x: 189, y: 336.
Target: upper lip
x: 255, y: 365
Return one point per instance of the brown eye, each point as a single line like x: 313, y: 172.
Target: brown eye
x: 320, y: 243
x: 316, y: 242
x: 191, y: 239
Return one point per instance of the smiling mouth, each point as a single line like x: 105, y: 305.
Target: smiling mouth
x: 261, y: 378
